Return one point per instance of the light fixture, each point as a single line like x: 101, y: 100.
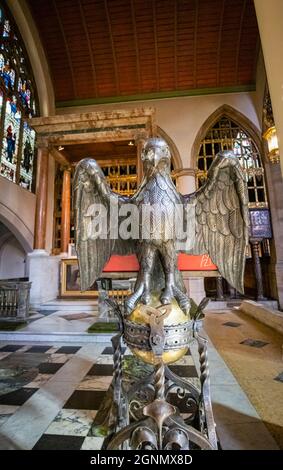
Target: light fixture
x: 269, y: 128
x: 131, y: 143
x: 60, y: 148
x: 270, y: 136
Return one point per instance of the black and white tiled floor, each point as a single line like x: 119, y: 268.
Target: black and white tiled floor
x: 74, y: 427
x: 53, y: 396
x: 23, y: 370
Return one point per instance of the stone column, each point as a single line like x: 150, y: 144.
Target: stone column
x: 219, y: 288
x: 270, y: 21
x: 186, y: 180
x: 257, y: 267
x: 232, y: 292
x: 275, y: 193
x: 43, y: 269
x: 66, y: 210
x: 41, y: 197
x: 139, y: 144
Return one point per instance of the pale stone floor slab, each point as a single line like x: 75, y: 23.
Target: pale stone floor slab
x: 62, y: 322
x: 254, y: 370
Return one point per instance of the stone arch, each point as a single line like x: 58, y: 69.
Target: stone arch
x: 176, y: 158
x: 37, y: 57
x: 231, y: 113
x: 17, y: 227
x: 12, y: 257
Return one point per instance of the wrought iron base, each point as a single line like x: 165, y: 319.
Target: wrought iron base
x: 142, y: 417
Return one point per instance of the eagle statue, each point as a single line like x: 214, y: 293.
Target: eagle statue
x: 214, y: 221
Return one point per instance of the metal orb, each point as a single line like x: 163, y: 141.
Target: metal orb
x: 176, y: 317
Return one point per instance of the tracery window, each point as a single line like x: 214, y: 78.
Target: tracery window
x: 121, y: 175
x: 226, y: 134
x: 18, y: 102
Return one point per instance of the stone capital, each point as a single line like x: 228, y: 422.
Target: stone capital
x: 184, y: 172
x: 43, y: 143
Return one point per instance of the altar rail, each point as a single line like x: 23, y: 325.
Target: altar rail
x: 14, y: 299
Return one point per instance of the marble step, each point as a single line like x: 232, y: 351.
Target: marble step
x: 272, y: 304
x: 62, y: 337
x: 234, y: 303
x: 92, y: 305
x: 85, y: 305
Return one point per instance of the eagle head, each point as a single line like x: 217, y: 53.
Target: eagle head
x: 156, y: 156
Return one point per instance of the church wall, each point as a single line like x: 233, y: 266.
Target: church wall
x: 12, y: 259
x: 273, y: 272
x: 17, y: 211
x: 181, y: 118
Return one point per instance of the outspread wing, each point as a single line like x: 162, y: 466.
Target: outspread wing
x: 221, y: 218
x: 91, y: 191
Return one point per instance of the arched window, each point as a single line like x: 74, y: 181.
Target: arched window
x: 18, y: 102
x: 227, y: 134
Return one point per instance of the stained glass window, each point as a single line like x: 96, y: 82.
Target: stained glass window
x: 226, y: 134
x: 12, y: 124
x: 18, y: 102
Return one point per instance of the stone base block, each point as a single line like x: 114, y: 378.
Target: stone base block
x: 43, y: 271
x: 268, y: 316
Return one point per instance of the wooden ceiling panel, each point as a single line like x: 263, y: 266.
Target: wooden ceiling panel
x: 99, y: 49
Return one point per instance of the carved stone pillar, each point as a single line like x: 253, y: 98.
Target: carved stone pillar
x: 232, y: 292
x: 66, y: 210
x: 257, y: 268
x: 275, y: 193
x: 219, y: 288
x: 41, y: 197
x: 139, y: 144
x: 186, y: 180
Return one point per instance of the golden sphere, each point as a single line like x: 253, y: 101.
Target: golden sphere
x: 176, y: 316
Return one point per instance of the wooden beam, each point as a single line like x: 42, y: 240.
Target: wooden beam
x: 60, y: 156
x: 66, y: 46
x: 155, y: 45
x: 136, y: 44
x: 239, y: 40
x: 219, y: 42
x: 195, y: 43
x: 112, y: 48
x: 89, y: 48
x: 175, y: 43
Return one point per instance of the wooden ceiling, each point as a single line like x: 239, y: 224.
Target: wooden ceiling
x: 114, y: 50
x: 100, y: 151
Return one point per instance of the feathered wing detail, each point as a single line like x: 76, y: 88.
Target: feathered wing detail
x: 221, y: 218
x: 160, y: 191
x: 90, y: 189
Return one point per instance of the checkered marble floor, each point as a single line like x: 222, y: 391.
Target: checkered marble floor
x: 24, y: 370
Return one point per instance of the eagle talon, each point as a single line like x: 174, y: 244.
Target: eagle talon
x: 145, y: 298
x: 167, y: 296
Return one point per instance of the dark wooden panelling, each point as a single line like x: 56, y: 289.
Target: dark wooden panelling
x: 100, y: 150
